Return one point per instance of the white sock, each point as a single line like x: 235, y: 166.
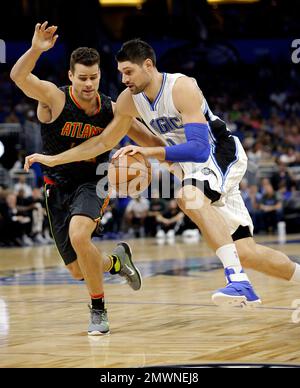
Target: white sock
x: 296, y: 276
x: 229, y: 256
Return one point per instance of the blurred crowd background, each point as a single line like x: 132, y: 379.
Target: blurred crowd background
x: 242, y: 58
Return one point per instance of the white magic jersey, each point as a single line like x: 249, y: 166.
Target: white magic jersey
x: 227, y: 163
x: 162, y: 117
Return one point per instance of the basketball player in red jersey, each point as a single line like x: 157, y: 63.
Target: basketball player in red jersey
x: 69, y: 115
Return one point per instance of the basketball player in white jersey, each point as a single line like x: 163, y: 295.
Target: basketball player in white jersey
x: 213, y: 162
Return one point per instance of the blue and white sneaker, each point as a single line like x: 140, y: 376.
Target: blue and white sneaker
x: 238, y: 292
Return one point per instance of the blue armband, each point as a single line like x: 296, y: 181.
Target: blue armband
x: 196, y: 149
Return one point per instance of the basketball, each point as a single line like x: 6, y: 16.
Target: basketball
x: 129, y: 175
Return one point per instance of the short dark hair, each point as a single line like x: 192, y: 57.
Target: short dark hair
x: 136, y: 51
x: 85, y: 56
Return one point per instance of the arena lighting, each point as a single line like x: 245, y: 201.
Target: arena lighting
x: 138, y: 3
x: 232, y: 1
x: 120, y: 3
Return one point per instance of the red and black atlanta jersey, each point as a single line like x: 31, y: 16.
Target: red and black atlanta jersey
x: 70, y: 129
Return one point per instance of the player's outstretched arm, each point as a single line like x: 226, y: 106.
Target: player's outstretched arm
x: 91, y: 148
x: 142, y: 135
x: 109, y: 138
x: 44, y: 39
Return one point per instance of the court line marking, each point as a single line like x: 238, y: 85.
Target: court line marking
x: 275, y: 308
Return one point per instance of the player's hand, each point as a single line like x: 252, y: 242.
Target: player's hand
x: 47, y: 160
x: 44, y: 38
x: 130, y: 150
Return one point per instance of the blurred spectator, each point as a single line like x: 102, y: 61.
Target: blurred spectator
x: 289, y: 157
x: 12, y: 118
x: 39, y: 226
x: 285, y: 193
x: 256, y: 213
x: 136, y: 213
x: 244, y: 189
x: 17, y: 226
x: 258, y: 153
x: 271, y: 208
x: 22, y: 185
x: 264, y: 185
x: 2, y: 220
x: 171, y: 220
x: 112, y: 219
x: 282, y: 176
x: 107, y: 220
x: 293, y: 137
x: 157, y: 207
x: 19, y: 163
x: 252, y: 199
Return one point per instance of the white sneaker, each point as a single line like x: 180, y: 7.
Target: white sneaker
x: 160, y: 237
x: 27, y: 241
x: 187, y: 233
x: 47, y: 237
x: 196, y: 235
x: 160, y: 234
x: 171, y: 236
x: 40, y: 239
x: 191, y: 236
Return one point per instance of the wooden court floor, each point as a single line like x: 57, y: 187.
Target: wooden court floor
x: 171, y: 321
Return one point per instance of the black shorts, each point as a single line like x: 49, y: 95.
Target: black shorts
x: 63, y: 204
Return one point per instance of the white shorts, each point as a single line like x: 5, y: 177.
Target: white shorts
x: 222, y: 186
x: 235, y: 213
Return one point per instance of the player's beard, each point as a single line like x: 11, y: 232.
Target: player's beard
x: 139, y: 89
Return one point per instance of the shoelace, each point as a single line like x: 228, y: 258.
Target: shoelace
x: 238, y: 286
x: 127, y: 277
x: 124, y: 271
x: 98, y: 316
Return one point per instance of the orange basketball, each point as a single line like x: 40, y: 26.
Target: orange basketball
x: 129, y: 175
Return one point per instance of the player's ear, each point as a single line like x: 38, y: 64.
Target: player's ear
x: 148, y: 64
x: 70, y: 75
